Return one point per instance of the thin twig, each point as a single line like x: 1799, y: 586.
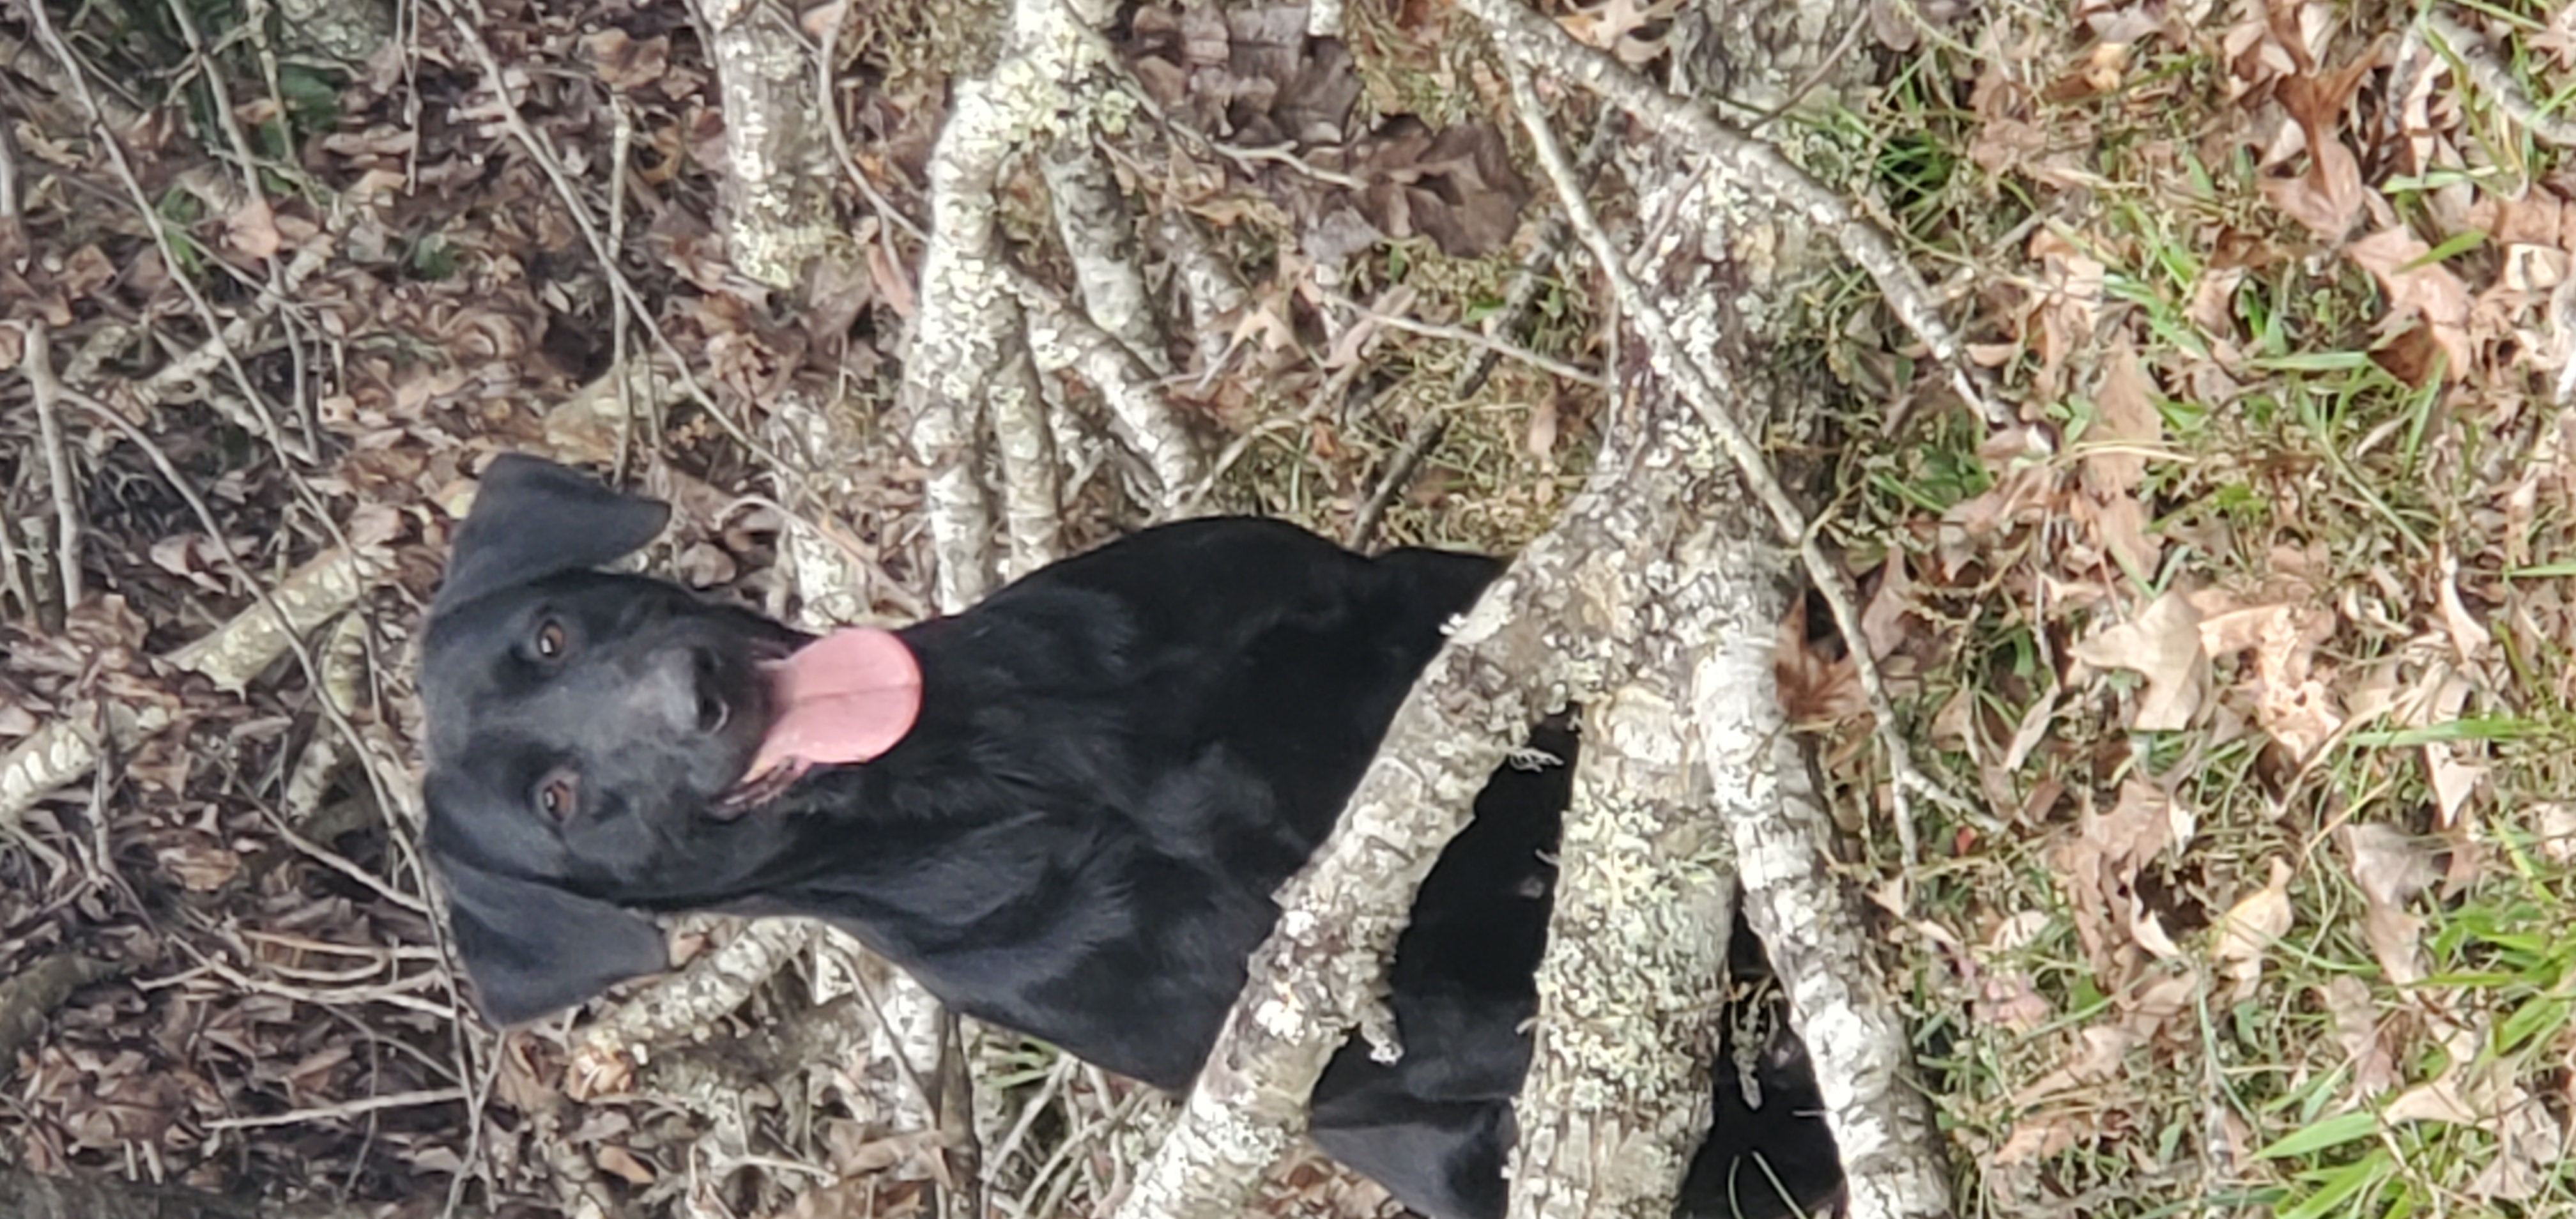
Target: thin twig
x: 2486, y: 71
x: 1473, y: 338
x: 262, y: 420
x: 1707, y: 387
x: 9, y: 207
x: 542, y: 151
x: 620, y: 146
x: 38, y: 366
x: 1757, y: 167
x: 1399, y: 474
x: 824, y: 81
x: 347, y: 1108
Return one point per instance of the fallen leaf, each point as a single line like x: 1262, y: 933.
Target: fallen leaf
x: 251, y: 229
x: 2453, y: 779
x: 2330, y: 196
x: 2294, y: 707
x: 1814, y: 688
x: 1614, y: 26
x: 198, y: 867
x: 2531, y: 1145
x: 620, y: 1162
x: 2163, y: 645
x: 2426, y: 289
x: 2438, y: 1101
x: 2127, y: 421
x: 2042, y: 1135
x: 1539, y: 439
x: 2555, y: 822
x: 822, y: 19
x: 2469, y: 637
x: 2101, y: 1048
x: 2099, y: 863
x: 2390, y: 869
x: 624, y: 63
x: 2355, y: 1020
x: 2249, y: 928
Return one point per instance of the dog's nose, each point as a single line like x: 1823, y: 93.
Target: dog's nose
x: 679, y: 690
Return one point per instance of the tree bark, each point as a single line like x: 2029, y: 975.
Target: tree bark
x: 1632, y: 989
x: 777, y: 187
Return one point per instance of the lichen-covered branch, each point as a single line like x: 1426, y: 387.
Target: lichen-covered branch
x: 777, y: 187
x: 1313, y: 980
x: 1530, y: 39
x: 1812, y: 926
x: 1849, y: 1045
x: 1100, y: 241
x: 966, y: 343
x: 1212, y: 290
x: 1533, y: 640
x: 229, y: 656
x: 1139, y: 414
x: 1633, y: 985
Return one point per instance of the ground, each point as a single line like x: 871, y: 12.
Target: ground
x: 2257, y: 685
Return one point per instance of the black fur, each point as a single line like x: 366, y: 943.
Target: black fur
x: 1117, y: 761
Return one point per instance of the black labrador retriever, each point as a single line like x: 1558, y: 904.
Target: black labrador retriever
x: 1064, y: 811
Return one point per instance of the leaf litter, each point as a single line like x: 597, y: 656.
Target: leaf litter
x: 2264, y: 683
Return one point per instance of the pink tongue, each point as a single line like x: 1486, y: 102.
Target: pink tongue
x: 846, y: 697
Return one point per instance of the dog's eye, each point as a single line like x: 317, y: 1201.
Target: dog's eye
x: 555, y: 796
x: 550, y: 639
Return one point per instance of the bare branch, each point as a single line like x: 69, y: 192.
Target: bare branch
x: 1526, y: 38
x: 777, y: 186
x: 230, y: 656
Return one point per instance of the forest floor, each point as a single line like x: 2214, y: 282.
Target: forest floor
x: 2261, y: 685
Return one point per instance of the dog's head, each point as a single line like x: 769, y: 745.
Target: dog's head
x: 582, y: 725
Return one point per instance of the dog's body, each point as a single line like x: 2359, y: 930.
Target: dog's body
x: 1106, y: 771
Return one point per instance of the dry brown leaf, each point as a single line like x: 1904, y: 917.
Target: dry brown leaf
x: 199, y: 867
x: 2032, y: 729
x: 2099, y: 863
x: 2390, y: 869
x: 1815, y: 688
x: 2098, y: 1059
x: 1615, y: 25
x: 2469, y: 637
x: 2480, y: 1093
x: 2213, y: 302
x: 2555, y: 822
x: 2453, y: 778
x: 2068, y: 313
x: 251, y: 229
x: 2390, y: 866
x: 2330, y: 196
x: 1883, y: 621
x: 822, y: 19
x: 2357, y: 1029
x: 2042, y: 1135
x: 2438, y: 1101
x: 2327, y: 198
x: 2117, y: 522
x: 2293, y: 706
x: 2531, y: 1144
x: 1539, y: 438
x: 2128, y: 421
x: 2251, y: 927
x: 2163, y: 645
x: 620, y: 1162
x: 625, y: 64
x: 2427, y: 290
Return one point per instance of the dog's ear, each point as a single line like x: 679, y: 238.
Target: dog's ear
x: 532, y: 948
x: 532, y: 519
